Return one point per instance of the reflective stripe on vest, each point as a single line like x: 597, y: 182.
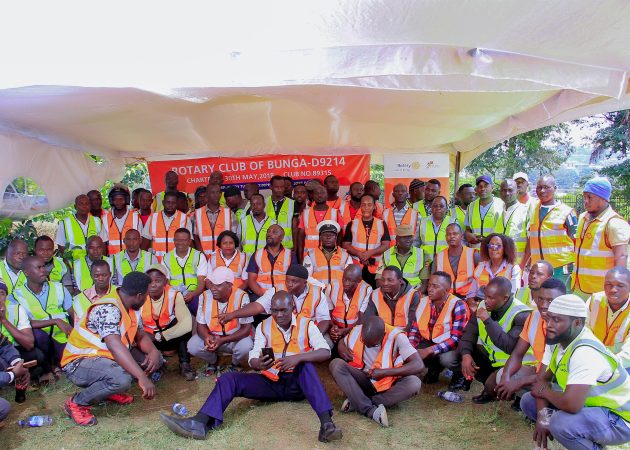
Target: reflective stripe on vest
x: 410, y: 219
x: 275, y: 276
x: 594, y: 256
x: 207, y: 233
x: 344, y: 315
x: 384, y: 360
x: 489, y: 223
x: 459, y: 215
x: 524, y: 295
x: 329, y: 272
x: 497, y: 356
x: 254, y: 240
x: 413, y: 265
x: 13, y: 316
x: 401, y: 313
x: 236, y: 265
x: 167, y: 312
x: 185, y: 275
x: 53, y: 309
x: 82, y: 275
x: 59, y: 269
x: 433, y: 243
x: 615, y: 335
x: 516, y: 225
x: 362, y: 242
x: 613, y: 394
x: 83, y: 343
x: 483, y: 274
x: 162, y: 241
x: 311, y: 239
x: 210, y: 310
x: 310, y: 303
x: 421, y: 208
x: 536, y: 332
x: 115, y: 235
x: 74, y: 233
x: 123, y: 265
x: 274, y: 338
x: 284, y: 219
x: 444, y: 323
x: 461, y: 283
x: 549, y: 240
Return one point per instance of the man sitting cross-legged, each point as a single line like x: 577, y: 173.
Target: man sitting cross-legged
x: 295, y: 343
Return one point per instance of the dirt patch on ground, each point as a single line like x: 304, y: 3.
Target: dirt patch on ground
x: 424, y: 422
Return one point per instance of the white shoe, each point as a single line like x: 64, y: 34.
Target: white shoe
x: 380, y: 416
x: 346, y: 406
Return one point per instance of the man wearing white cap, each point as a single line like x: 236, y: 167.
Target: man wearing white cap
x: 592, y: 409
x: 601, y: 241
x: 327, y: 262
x: 522, y: 187
x: 213, y: 336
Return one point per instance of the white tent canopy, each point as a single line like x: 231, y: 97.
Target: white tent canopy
x: 142, y: 80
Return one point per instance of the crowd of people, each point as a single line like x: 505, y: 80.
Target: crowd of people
x: 515, y: 291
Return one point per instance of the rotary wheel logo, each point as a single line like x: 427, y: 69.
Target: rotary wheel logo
x: 415, y: 165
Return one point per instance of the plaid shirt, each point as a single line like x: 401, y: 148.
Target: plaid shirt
x: 457, y: 329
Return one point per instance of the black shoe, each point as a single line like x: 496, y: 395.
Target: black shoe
x: 187, y: 371
x: 20, y: 395
x: 516, y: 404
x: 329, y: 432
x: 432, y: 376
x: 483, y: 398
x: 185, y: 427
x: 459, y: 383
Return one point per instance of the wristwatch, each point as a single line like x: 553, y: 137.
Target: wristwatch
x: 158, y: 336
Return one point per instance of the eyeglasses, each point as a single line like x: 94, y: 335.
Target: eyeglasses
x: 495, y: 246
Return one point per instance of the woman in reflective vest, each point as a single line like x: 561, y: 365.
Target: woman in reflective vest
x: 228, y: 255
x: 497, y: 260
x: 83, y: 343
x: 594, y: 254
x: 401, y: 312
x: 612, y: 335
x: 384, y: 360
x: 207, y: 233
x: 275, y: 276
x: 299, y: 342
x: 549, y: 239
x: 465, y: 270
x: 497, y: 356
x: 443, y: 325
x: 343, y: 315
x: 52, y: 310
x: 210, y: 310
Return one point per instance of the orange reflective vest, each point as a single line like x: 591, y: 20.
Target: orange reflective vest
x: 535, y: 329
x: 163, y: 237
x: 614, y: 335
x: 344, y: 315
x: 237, y: 265
x: 84, y: 343
x: 362, y: 242
x: 329, y: 272
x: 310, y: 303
x: 272, y: 276
x: 483, y: 275
x: 595, y: 256
x: 207, y: 233
x: 344, y: 212
x: 548, y: 240
x: 210, y: 310
x: 115, y: 235
x: 401, y: 313
x: 166, y: 314
x: 462, y: 282
x: 298, y: 343
x: 410, y: 219
x: 311, y: 239
x: 444, y: 324
x: 386, y: 358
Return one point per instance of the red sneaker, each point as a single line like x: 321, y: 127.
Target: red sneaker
x: 121, y: 399
x: 82, y: 415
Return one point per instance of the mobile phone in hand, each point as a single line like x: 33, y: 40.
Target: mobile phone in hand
x: 268, y: 352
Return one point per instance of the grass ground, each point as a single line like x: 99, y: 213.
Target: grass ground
x: 425, y: 422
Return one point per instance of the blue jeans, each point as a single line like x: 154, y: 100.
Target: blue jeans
x: 591, y: 428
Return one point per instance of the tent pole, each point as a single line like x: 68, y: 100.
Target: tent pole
x: 457, y: 167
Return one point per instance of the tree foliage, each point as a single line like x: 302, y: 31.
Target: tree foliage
x: 541, y: 151
x: 612, y: 142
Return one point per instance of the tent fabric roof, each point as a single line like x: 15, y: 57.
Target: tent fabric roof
x: 293, y: 77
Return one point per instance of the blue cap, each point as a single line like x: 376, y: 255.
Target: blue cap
x: 485, y: 178
x: 599, y: 186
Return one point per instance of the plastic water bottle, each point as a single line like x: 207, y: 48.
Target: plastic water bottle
x: 448, y: 373
x: 36, y: 421
x: 155, y: 376
x: 450, y: 396
x: 180, y: 409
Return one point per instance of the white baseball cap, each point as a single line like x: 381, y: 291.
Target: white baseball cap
x: 522, y: 175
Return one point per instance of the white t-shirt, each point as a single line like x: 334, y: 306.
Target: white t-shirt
x: 402, y: 348
x: 202, y: 266
x: 321, y: 311
x: 222, y: 308
x: 60, y: 238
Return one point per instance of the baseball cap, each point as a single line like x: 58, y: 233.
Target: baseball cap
x: 522, y: 175
x: 221, y: 275
x: 485, y: 178
x: 404, y: 230
x: 159, y: 267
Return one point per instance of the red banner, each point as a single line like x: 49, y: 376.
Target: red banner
x: 259, y: 169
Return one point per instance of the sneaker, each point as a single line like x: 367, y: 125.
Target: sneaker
x: 380, y: 416
x: 346, y: 406
x: 82, y: 415
x: 187, y: 372
x: 210, y: 370
x: 121, y: 399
